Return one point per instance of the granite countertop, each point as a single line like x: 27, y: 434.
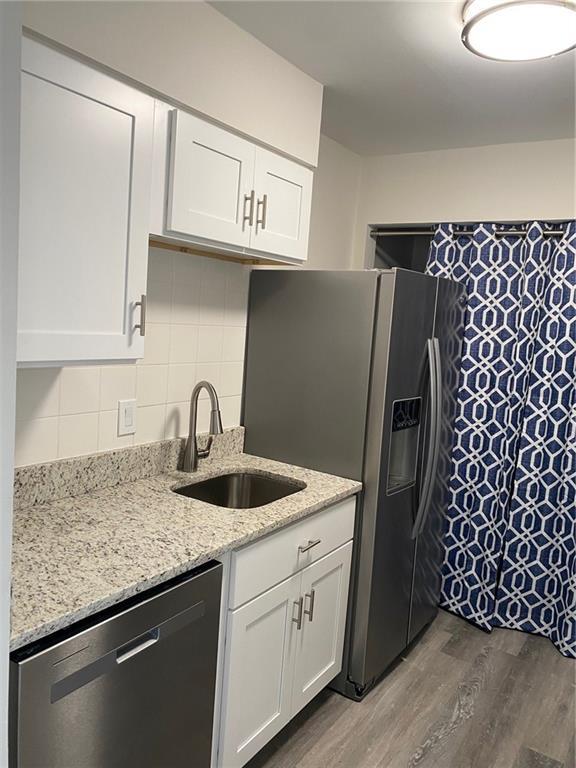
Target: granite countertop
x: 76, y: 556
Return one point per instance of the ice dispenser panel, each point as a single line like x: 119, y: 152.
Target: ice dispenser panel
x: 404, y: 444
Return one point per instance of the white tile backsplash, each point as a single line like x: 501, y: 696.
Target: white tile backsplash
x: 38, y: 393
x: 118, y: 382
x: 36, y: 441
x: 210, y: 343
x: 230, y: 407
x: 208, y: 372
x: 157, y: 344
x: 181, y: 380
x: 151, y: 384
x: 230, y: 379
x: 177, y: 419
x: 159, y: 303
x: 183, y: 343
x: 233, y: 344
x: 80, y: 390
x: 151, y: 423
x: 78, y: 434
x: 108, y: 438
x: 197, y: 311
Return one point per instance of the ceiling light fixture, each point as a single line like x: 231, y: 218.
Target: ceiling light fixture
x: 519, y: 30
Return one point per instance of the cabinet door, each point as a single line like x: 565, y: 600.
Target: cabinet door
x: 320, y: 642
x: 258, y: 674
x: 86, y: 145
x: 283, y: 199
x: 211, y: 173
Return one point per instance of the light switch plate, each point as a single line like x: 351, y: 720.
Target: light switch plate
x: 126, y: 417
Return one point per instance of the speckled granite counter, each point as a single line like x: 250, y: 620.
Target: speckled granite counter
x: 76, y: 556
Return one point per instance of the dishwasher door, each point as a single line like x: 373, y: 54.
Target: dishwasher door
x: 135, y: 689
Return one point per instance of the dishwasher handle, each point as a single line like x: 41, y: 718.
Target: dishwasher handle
x: 111, y: 660
x: 137, y: 645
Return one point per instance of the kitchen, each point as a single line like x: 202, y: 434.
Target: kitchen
x: 205, y: 191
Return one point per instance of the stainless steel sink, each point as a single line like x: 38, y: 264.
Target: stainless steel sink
x: 241, y: 490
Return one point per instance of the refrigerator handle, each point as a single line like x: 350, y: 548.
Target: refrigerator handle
x: 429, y: 471
x: 438, y: 433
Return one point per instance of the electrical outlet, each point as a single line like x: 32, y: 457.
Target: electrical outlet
x: 126, y: 417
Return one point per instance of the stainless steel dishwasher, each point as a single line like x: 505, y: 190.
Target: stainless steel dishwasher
x: 131, y: 688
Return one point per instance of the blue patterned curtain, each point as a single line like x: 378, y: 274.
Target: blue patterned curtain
x: 511, y: 533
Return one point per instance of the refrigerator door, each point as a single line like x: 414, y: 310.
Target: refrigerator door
x: 398, y: 435
x: 449, y: 332
x: 307, y: 369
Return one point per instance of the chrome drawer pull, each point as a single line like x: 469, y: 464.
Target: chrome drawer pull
x: 306, y: 547
x: 300, y: 605
x: 310, y: 611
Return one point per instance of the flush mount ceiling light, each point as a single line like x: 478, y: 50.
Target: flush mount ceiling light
x: 519, y: 30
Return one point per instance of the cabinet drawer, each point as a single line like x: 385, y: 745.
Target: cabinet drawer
x: 259, y: 566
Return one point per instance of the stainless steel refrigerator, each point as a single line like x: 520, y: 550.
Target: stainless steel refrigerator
x: 355, y: 373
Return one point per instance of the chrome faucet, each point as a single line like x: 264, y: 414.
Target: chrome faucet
x: 192, y: 452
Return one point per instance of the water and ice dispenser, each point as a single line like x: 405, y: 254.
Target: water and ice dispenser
x: 404, y: 440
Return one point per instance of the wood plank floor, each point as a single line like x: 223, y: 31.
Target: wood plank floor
x: 461, y: 698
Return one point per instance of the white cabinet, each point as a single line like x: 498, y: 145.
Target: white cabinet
x: 211, y: 173
x: 283, y: 202
x: 260, y: 642
x: 319, y: 646
x: 86, y: 152
x: 220, y: 191
x: 284, y: 645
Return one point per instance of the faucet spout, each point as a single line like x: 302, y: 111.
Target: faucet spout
x: 192, y: 452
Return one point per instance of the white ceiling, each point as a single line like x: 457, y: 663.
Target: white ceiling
x: 398, y: 79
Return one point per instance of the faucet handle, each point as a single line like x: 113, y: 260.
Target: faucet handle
x: 203, y: 452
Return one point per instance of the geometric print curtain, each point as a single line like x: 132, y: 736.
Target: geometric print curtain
x: 510, y: 540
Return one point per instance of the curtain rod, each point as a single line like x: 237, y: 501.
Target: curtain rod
x: 459, y: 231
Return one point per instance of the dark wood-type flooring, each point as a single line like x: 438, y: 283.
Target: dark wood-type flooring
x: 461, y: 698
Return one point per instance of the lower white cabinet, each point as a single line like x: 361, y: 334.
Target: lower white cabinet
x: 260, y: 641
x: 320, y: 643
x: 282, y: 648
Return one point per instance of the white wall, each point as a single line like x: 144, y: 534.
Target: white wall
x: 196, y: 56
x: 334, y: 200
x: 9, y: 183
x: 196, y: 329
x: 505, y: 182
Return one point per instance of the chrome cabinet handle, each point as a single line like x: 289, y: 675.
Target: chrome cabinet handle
x: 300, y: 605
x: 307, y: 547
x: 248, y: 217
x: 142, y: 324
x: 310, y: 611
x: 262, y: 219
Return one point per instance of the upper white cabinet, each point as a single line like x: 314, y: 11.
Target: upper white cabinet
x: 283, y: 200
x: 86, y: 153
x: 216, y: 189
x: 211, y: 174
